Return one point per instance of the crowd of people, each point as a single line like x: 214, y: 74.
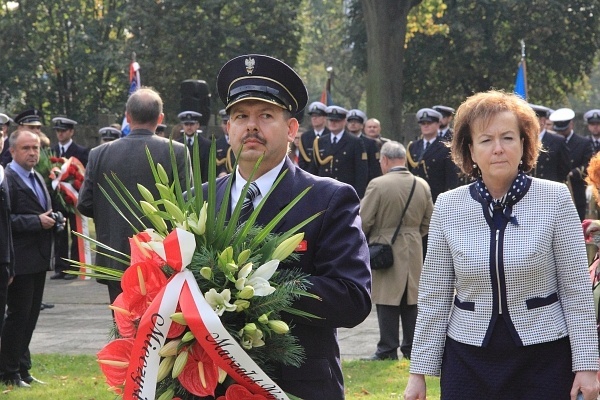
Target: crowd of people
x: 489, y: 279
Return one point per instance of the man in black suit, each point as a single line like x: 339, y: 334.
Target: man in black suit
x: 334, y: 251
x: 580, y: 153
x: 429, y: 157
x: 373, y: 131
x: 127, y: 158
x: 339, y: 155
x: 355, y: 123
x: 553, y: 163
x: 66, y: 148
x: 7, y: 256
x: 191, y: 133
x: 32, y: 228
x: 318, y: 122
x: 445, y: 132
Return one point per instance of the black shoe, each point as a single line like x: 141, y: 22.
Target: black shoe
x: 58, y: 275
x: 377, y: 357
x: 30, y: 379
x: 68, y: 277
x: 45, y: 306
x: 15, y: 380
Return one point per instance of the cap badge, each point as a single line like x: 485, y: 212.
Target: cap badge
x: 249, y: 65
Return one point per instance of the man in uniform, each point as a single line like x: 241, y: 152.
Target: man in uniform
x: 355, y: 123
x: 340, y: 156
x: 66, y: 147
x: 108, y: 134
x: 318, y: 121
x: 191, y: 133
x: 5, y: 121
x: 334, y: 254
x: 429, y: 157
x: 553, y: 163
x: 580, y: 153
x: 161, y: 130
x: 592, y: 119
x: 445, y: 132
x: 225, y: 156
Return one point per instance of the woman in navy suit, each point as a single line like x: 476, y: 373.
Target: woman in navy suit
x: 505, y: 306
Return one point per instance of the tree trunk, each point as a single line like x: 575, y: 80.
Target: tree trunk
x: 385, y: 22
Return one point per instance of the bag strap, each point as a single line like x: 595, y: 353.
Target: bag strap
x: 412, y: 190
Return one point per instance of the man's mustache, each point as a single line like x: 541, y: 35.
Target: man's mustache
x: 253, y: 136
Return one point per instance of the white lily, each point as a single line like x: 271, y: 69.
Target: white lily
x: 259, y: 279
x: 220, y: 301
x: 198, y: 223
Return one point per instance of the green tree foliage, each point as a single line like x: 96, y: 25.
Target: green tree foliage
x: 482, y: 50
x: 63, y: 57
x: 177, y: 40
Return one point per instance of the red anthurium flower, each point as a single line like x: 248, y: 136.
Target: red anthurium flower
x: 200, y: 374
x: 238, y: 392
x: 141, y: 253
x: 176, y: 329
x: 114, y: 361
x: 124, y: 318
x: 141, y: 283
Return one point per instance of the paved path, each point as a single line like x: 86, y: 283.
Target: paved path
x: 80, y: 322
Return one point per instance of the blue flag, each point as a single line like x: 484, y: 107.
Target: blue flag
x: 521, y: 81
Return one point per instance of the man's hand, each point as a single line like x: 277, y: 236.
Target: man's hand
x: 46, y: 220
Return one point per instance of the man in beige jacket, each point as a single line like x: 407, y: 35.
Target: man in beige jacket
x: 395, y: 289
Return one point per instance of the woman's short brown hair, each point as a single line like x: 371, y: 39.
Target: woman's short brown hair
x: 483, y: 106
x: 593, y: 175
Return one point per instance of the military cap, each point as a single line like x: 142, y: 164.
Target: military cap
x: 161, y: 128
x: 356, y: 115
x: 224, y: 116
x: 263, y: 78
x: 336, y: 113
x: 189, y: 116
x: 541, y: 111
x: 592, y: 116
x: 444, y: 110
x: 428, y: 115
x: 561, y: 118
x: 109, y: 133
x: 5, y: 119
x: 29, y: 117
x: 317, y: 108
x: 62, y: 123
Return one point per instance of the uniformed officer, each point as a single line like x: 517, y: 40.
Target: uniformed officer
x: 580, y: 153
x: 225, y: 156
x: 108, y: 134
x: 355, y: 123
x: 445, y: 132
x: 191, y: 133
x: 429, y: 157
x: 318, y: 122
x: 339, y: 155
x: 161, y: 130
x: 592, y: 119
x: 5, y: 121
x: 553, y: 163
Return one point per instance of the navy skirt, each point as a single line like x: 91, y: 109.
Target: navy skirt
x: 504, y: 370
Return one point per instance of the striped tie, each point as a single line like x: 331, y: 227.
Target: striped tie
x: 248, y: 206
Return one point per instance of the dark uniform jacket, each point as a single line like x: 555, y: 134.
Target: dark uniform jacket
x: 372, y: 150
x: 306, y: 147
x: 32, y: 244
x: 554, y: 162
x: 7, y: 256
x: 346, y: 161
x: 434, y: 165
x: 580, y: 153
x: 447, y: 136
x: 204, y: 150
x: 79, y: 152
x: 225, y: 156
x: 5, y: 156
x: 337, y: 260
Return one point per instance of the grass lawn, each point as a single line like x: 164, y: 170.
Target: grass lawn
x: 79, y: 378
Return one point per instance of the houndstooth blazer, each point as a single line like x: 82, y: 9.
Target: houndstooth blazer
x: 542, y: 270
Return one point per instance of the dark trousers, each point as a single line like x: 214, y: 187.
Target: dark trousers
x: 61, y: 246
x: 389, y: 328
x: 23, y: 301
x: 4, y: 276
x: 114, y: 289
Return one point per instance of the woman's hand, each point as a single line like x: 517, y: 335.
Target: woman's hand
x: 585, y: 382
x: 415, y: 389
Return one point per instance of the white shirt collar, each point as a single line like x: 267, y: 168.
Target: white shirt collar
x: 264, y: 183
x: 338, y: 136
x: 65, y: 146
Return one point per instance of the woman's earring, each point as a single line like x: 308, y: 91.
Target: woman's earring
x: 474, y: 166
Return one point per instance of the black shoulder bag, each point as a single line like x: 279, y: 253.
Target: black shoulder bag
x: 381, y: 255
